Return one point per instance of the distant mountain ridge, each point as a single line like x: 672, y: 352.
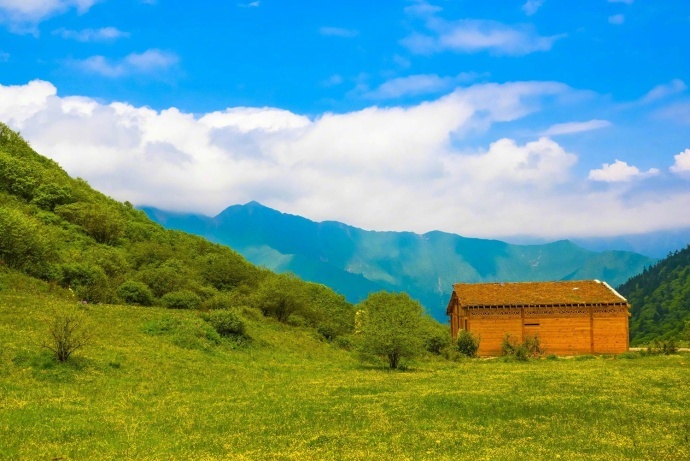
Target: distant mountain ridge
x: 355, y: 262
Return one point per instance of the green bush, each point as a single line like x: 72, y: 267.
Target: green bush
x: 219, y: 301
x: 132, y: 292
x: 468, y: 344
x: 186, y: 333
x: 327, y: 331
x: 48, y: 196
x: 183, y: 299
x: 22, y: 244
x: 529, y: 348
x: 88, y: 281
x: 102, y: 223
x: 665, y: 347
x: 226, y: 323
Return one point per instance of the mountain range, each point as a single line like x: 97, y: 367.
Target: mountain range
x: 356, y: 262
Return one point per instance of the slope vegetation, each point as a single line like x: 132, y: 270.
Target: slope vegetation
x: 60, y: 230
x: 660, y: 299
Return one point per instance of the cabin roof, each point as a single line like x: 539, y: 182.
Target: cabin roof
x: 535, y: 293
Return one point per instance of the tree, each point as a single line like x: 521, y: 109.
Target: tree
x: 22, y: 244
x: 226, y: 270
x: 48, y: 196
x: 391, y: 326
x: 68, y: 332
x: 280, y: 296
x: 133, y: 292
x: 101, y: 222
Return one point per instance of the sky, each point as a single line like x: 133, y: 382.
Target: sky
x: 498, y: 119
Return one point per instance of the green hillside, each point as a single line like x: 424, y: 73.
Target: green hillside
x: 660, y: 299
x: 355, y: 262
x: 62, y: 231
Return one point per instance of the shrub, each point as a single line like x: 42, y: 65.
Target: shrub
x: 280, y: 296
x: 219, y: 301
x: 665, y: 347
x: 183, y: 299
x: 22, y: 244
x: 132, y: 292
x: 186, y: 333
x: 468, y: 344
x: 48, y: 196
x: 226, y: 323
x: 67, y: 333
x: 344, y: 342
x: 89, y: 282
x: 436, y: 336
x: 529, y: 348
x: 104, y: 224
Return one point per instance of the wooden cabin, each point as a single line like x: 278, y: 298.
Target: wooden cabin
x: 574, y: 317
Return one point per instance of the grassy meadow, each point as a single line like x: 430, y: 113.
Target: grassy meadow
x: 142, y: 390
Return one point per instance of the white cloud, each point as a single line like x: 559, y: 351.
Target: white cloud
x: 617, y: 19
x: 92, y: 35
x: 338, y: 32
x: 422, y: 8
x: 418, y: 84
x: 619, y: 171
x: 675, y: 86
x: 22, y: 16
x: 333, y: 80
x: 395, y: 168
x: 682, y: 163
x: 474, y: 35
x: 575, y: 127
x: 531, y: 6
x: 679, y: 113
x: 148, y: 62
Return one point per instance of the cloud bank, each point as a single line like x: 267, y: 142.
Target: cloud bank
x: 385, y: 168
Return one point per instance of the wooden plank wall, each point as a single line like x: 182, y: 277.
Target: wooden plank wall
x: 491, y: 332
x: 564, y: 335
x: 563, y: 332
x: 610, y: 334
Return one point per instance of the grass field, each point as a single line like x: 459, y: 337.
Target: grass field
x: 287, y: 395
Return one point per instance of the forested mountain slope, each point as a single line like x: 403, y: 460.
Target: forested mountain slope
x: 660, y: 299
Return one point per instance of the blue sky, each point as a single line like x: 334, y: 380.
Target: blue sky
x: 538, y: 118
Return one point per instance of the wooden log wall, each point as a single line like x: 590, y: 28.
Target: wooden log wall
x: 562, y: 330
